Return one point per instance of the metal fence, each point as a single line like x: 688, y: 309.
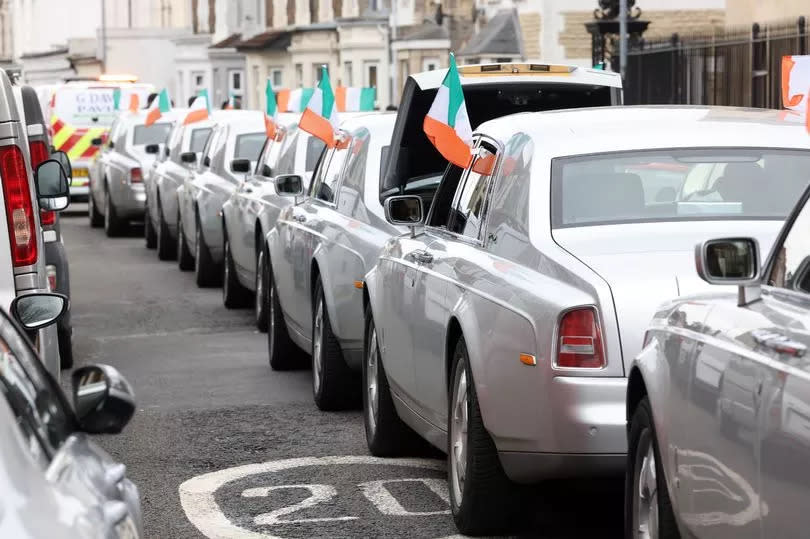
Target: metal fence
x: 727, y: 67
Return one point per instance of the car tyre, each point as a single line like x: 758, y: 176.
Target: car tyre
x: 334, y: 385
x: 386, y: 434
x: 262, y: 274
x: 185, y: 260
x: 149, y: 233
x: 206, y: 272
x: 282, y: 352
x: 234, y: 295
x: 647, y: 502
x: 65, y: 338
x: 113, y: 225
x: 96, y: 218
x: 166, y: 248
x: 483, y: 500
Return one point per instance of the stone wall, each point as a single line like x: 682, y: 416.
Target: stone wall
x: 531, y: 28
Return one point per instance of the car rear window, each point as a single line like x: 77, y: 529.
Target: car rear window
x: 677, y: 185
x: 198, y: 139
x: 315, y: 147
x: 153, y: 134
x: 249, y: 146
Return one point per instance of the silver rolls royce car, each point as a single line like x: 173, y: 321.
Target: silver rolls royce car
x: 230, y: 154
x: 117, y: 192
x: 502, y: 332
x: 320, y: 251
x: 718, y: 401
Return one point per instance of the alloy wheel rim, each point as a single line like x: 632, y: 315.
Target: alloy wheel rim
x: 371, y: 380
x: 260, y: 284
x: 458, y: 436
x: 645, y: 493
x: 317, y: 348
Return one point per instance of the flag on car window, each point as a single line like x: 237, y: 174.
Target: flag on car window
x: 350, y: 99
x: 447, y: 124
x: 160, y: 106
x: 795, y: 82
x: 320, y: 118
x: 198, y: 111
x: 117, y: 99
x: 294, y: 100
x: 231, y: 105
x: 271, y: 111
x: 134, y: 103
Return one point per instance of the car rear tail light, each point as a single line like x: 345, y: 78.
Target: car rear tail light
x: 39, y: 153
x: 580, y: 341
x: 51, y: 272
x: 47, y: 218
x: 135, y: 175
x: 19, y: 209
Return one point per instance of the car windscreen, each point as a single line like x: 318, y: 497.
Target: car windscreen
x: 198, y: 139
x: 153, y: 134
x: 677, y: 185
x: 315, y: 147
x: 249, y: 146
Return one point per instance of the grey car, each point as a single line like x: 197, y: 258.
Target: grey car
x: 117, y: 193
x: 320, y: 251
x: 718, y: 400
x: 251, y: 213
x: 502, y: 332
x: 230, y: 154
x: 54, y: 480
x: 185, y: 149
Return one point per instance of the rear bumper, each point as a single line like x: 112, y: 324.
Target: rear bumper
x: 536, y: 467
x: 129, y: 201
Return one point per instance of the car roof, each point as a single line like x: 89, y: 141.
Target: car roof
x: 519, y: 72
x: 242, y: 121
x: 137, y: 118
x: 372, y: 121
x: 621, y: 128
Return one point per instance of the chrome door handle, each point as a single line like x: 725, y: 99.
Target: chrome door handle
x: 248, y: 190
x: 779, y: 343
x: 423, y: 257
x: 299, y: 219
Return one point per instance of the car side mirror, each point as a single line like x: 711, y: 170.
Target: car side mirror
x: 188, y: 157
x: 404, y: 210
x: 64, y: 160
x: 152, y: 149
x: 53, y: 189
x: 731, y: 261
x: 240, y: 165
x: 267, y: 172
x: 98, y: 141
x: 102, y: 399
x: 35, y: 311
x: 206, y: 161
x: 291, y: 185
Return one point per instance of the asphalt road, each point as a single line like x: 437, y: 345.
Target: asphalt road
x: 221, y: 446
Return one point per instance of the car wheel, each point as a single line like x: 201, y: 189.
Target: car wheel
x: 65, y: 347
x: 185, y: 260
x: 149, y: 233
x: 386, y: 434
x: 261, y: 290
x: 234, y: 295
x: 113, y: 225
x: 647, y: 505
x: 206, y: 272
x: 282, y: 351
x: 334, y: 385
x: 166, y: 249
x: 96, y: 218
x: 482, y: 499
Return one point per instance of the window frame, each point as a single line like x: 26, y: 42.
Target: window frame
x: 768, y: 267
x: 338, y: 183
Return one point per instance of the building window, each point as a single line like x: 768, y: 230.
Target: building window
x: 235, y: 81
x: 430, y: 64
x: 316, y: 72
x: 347, y: 74
x: 371, y: 74
x: 276, y: 77
x: 197, y: 82
x: 502, y: 60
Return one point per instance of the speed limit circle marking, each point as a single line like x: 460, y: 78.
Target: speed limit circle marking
x: 202, y: 510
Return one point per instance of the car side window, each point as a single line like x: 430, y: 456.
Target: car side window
x: 286, y: 159
x: 354, y: 179
x: 791, y: 268
x: 43, y: 416
x: 467, y: 213
x: 325, y: 188
x: 208, y: 151
x: 263, y: 155
x: 443, y: 201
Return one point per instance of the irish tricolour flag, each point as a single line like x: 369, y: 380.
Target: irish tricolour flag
x: 796, y: 85
x: 294, y: 100
x: 198, y: 111
x: 320, y: 117
x: 161, y: 105
x: 447, y: 124
x: 271, y: 112
x: 351, y: 99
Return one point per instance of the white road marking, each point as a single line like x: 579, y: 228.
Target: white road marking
x: 202, y: 510
x: 318, y: 494
x: 378, y: 494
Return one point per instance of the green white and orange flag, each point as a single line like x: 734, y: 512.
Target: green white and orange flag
x: 320, y: 118
x: 447, y: 124
x: 134, y: 103
x: 271, y: 112
x: 796, y: 85
x: 351, y: 99
x: 160, y: 106
x: 199, y: 109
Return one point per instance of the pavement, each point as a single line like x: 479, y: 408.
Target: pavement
x: 221, y: 446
